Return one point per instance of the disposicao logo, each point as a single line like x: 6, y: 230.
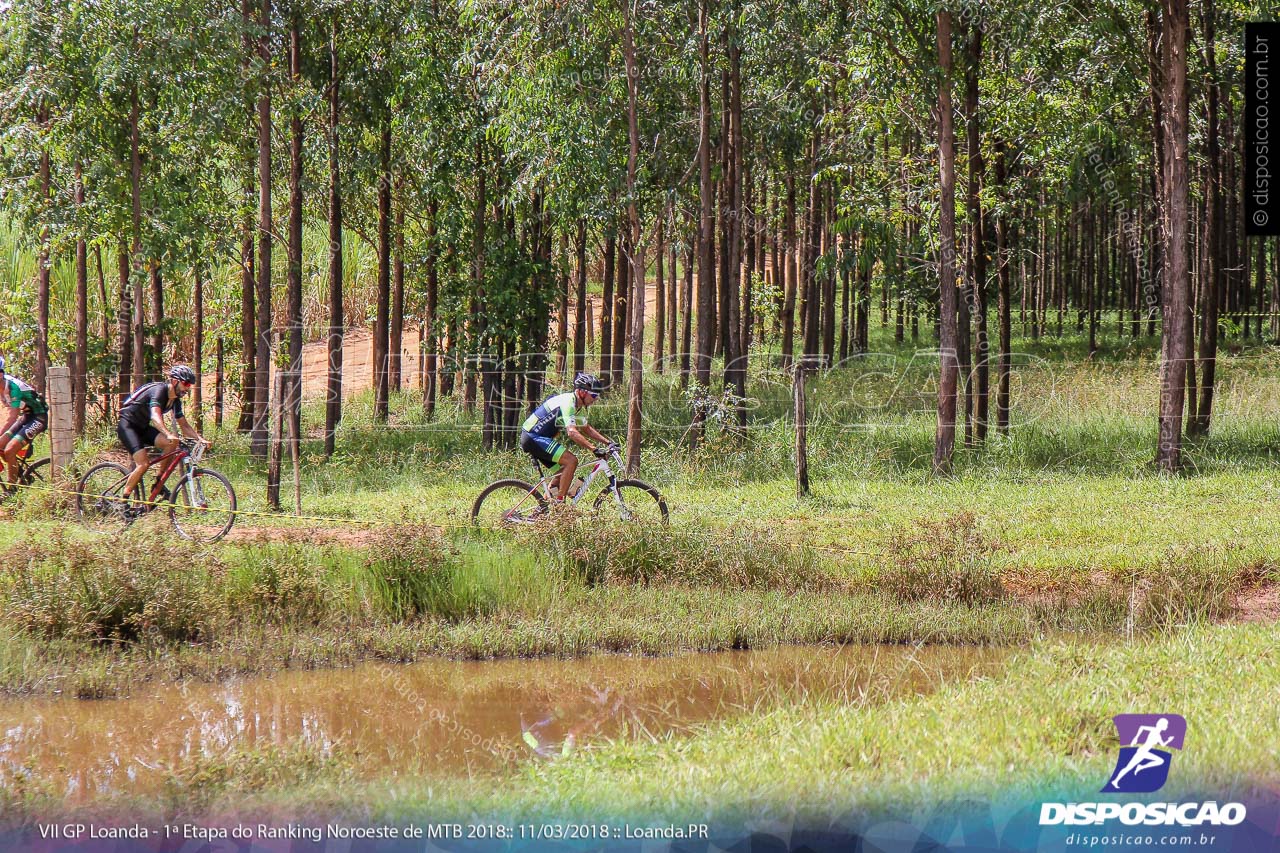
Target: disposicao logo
x: 1143, y: 765
x: 1142, y: 768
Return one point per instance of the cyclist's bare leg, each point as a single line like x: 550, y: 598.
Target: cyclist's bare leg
x: 12, y: 447
x: 141, y: 462
x: 568, y: 464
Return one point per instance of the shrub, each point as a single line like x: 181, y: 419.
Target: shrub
x: 946, y: 560
x: 143, y: 583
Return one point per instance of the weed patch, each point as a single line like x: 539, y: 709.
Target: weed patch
x: 949, y: 560
x: 112, y: 589
x: 599, y: 552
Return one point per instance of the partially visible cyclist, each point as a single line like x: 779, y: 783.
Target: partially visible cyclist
x: 564, y: 413
x: 28, y: 417
x: 142, y: 423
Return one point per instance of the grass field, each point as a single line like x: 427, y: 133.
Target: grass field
x: 1059, y: 540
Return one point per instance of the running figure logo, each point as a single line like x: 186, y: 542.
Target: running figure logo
x: 1145, y: 741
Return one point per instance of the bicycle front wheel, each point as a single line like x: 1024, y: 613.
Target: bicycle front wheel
x: 203, y: 507
x: 635, y: 501
x: 507, y: 503
x: 36, y: 473
x: 100, y: 497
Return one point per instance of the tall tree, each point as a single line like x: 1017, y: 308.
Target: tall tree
x: 1176, y: 345
x: 262, y: 355
x: 333, y: 393
x: 945, y: 439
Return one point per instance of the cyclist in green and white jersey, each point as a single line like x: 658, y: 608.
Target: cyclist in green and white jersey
x: 28, y: 417
x: 564, y: 413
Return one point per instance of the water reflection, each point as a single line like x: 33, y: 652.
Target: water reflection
x: 450, y: 716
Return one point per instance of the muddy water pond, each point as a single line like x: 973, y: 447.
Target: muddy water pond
x: 448, y: 717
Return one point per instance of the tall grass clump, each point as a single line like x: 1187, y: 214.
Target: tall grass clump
x: 286, y: 582
x: 609, y: 552
x: 1187, y: 585
x: 416, y: 572
x: 122, y: 588
x: 950, y: 559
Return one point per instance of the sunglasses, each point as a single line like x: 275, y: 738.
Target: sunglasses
x: 187, y: 385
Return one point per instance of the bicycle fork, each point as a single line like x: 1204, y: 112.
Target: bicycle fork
x: 195, y: 494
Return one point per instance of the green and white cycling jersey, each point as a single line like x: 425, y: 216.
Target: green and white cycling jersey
x: 555, y: 414
x: 21, y: 393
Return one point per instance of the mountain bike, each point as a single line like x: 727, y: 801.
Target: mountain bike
x: 202, y: 506
x: 29, y: 474
x: 508, y: 503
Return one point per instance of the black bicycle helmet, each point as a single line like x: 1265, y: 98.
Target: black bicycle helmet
x: 586, y: 382
x: 182, y: 373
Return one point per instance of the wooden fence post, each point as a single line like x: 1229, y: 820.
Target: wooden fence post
x: 799, y: 372
x: 62, y: 435
x: 276, y: 407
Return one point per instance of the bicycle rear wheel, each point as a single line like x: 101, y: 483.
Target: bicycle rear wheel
x: 636, y: 502
x: 100, y: 499
x: 507, y: 503
x: 204, y: 506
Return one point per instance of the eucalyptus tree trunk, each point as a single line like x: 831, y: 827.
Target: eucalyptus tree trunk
x: 635, y: 396
x: 673, y: 300
x: 565, y: 293
x: 248, y: 346
x: 157, y: 313
x: 104, y: 317
x: 1212, y: 246
x: 42, y: 272
x: 735, y: 373
x: 135, y: 252
x: 945, y: 438
x: 293, y: 384
x: 660, y: 306
x: 430, y: 339
x: 80, y: 354
x: 606, y: 302
x: 621, y: 304
x: 1003, y: 312
x: 790, y: 252
x: 706, y: 235
x: 475, y: 335
x: 977, y: 238
x: 1176, y: 302
x: 580, y: 307
x: 124, y: 316
x: 395, y: 336
x: 381, y: 340
x: 198, y: 359
x: 686, y: 317
x: 262, y: 359
x: 333, y: 390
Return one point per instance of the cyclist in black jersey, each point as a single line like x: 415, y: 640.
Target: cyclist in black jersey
x: 142, y: 422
